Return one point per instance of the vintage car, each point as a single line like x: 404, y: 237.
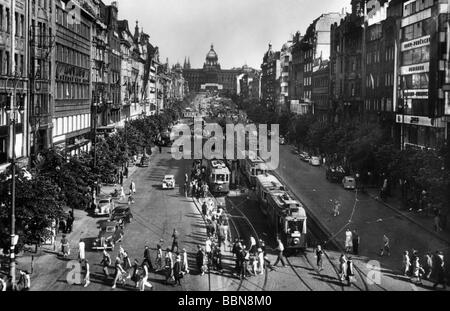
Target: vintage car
x: 122, y: 215
x: 168, y: 182
x: 335, y: 173
x: 314, y: 161
x: 145, y: 161
x: 304, y: 156
x: 349, y: 182
x: 110, y: 233
x: 104, y: 207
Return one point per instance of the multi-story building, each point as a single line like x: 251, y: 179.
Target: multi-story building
x: 41, y: 46
x: 126, y: 45
x: 296, y: 75
x: 346, y: 64
x: 423, y: 54
x: 249, y: 84
x: 270, y: 74
x: 381, y: 37
x: 72, y: 65
x: 14, y: 83
x: 320, y: 89
x: 112, y: 95
x: 315, y: 46
x: 285, y: 59
x: 211, y: 76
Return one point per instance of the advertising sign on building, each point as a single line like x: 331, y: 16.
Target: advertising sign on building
x: 416, y: 68
x: 375, y: 12
x: 416, y: 43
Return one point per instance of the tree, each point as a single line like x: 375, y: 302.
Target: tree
x: 38, y: 203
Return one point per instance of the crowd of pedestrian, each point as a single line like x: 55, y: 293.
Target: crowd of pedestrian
x: 430, y: 265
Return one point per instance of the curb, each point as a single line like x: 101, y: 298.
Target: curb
x: 374, y: 197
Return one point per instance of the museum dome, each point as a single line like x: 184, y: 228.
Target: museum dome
x: 212, y: 55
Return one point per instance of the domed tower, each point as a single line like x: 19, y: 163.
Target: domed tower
x: 212, y: 60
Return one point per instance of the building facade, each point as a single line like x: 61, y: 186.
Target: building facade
x: 423, y: 51
x: 211, y: 76
x: 72, y: 100
x: 270, y: 75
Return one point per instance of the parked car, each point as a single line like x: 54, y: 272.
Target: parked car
x: 122, y: 215
x: 104, y: 207
x: 168, y: 182
x: 110, y: 233
x: 314, y: 161
x: 145, y: 161
x: 335, y: 173
x: 349, y: 182
x: 304, y: 156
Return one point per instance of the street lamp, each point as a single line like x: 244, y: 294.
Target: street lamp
x: 11, y: 111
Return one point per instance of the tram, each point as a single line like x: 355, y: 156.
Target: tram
x: 288, y: 217
x: 218, y: 176
x: 252, y: 166
x: 264, y: 185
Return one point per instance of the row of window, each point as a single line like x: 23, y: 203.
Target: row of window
x: 70, y: 124
x: 416, y: 56
x: 321, y: 82
x: 5, y: 63
x: 308, y: 67
x: 418, y: 29
x: 417, y: 107
x: 72, y: 57
x: 73, y: 23
x: 5, y: 21
x: 416, y: 81
x: 307, y: 81
x: 374, y: 81
x: 65, y: 90
x: 373, y: 57
x: 378, y: 105
x: 417, y: 6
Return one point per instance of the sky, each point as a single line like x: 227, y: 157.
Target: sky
x: 239, y: 29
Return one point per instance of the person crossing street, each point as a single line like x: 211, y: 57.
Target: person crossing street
x: 280, y: 250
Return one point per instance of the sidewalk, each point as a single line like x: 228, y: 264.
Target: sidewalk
x: 45, y: 264
x: 419, y: 218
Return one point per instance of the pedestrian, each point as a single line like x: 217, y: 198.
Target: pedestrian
x: 204, y: 208
x: 168, y: 265
x: 406, y: 263
x: 159, y: 258
x: 200, y: 259
x: 121, y: 178
x: 350, y: 275
x: 87, y: 273
x: 106, y: 262
x: 125, y: 172
x: 355, y: 242
x: 235, y: 250
x: 208, y: 248
x: 428, y: 265
x: 81, y: 251
x: 260, y: 260
x: 122, y: 193
x: 348, y: 240
x: 280, y: 250
x: 243, y: 263
x: 132, y: 187
x: 437, y: 223
x: 160, y: 148
x: 65, y: 247
x: 342, y: 267
x: 218, y: 255
x: 319, y: 254
x: 252, y: 247
x: 386, y: 248
x: 175, y: 240
x: 440, y: 270
x: 3, y: 284
x: 24, y: 280
x: 147, y: 257
x: 144, y: 280
x: 178, y: 275
x: 336, y: 208
x: 121, y: 253
x: 70, y: 221
x: 418, y: 271
x: 185, y: 265
x: 130, y: 200
x: 127, y: 265
x: 413, y: 260
x: 119, y: 275
x: 135, y: 275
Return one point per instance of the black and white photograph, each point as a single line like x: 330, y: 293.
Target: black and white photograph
x: 249, y: 148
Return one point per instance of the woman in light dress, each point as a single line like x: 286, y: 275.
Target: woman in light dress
x: 261, y: 261
x: 406, y: 263
x: 144, y: 281
x: 185, y: 266
x: 348, y: 240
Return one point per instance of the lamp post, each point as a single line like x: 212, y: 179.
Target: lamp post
x: 11, y: 111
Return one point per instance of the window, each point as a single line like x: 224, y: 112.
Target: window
x: 22, y: 25
x: 1, y: 17
x: 16, y: 23
x: 8, y: 21
x: 415, y: 56
x: 416, y: 81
